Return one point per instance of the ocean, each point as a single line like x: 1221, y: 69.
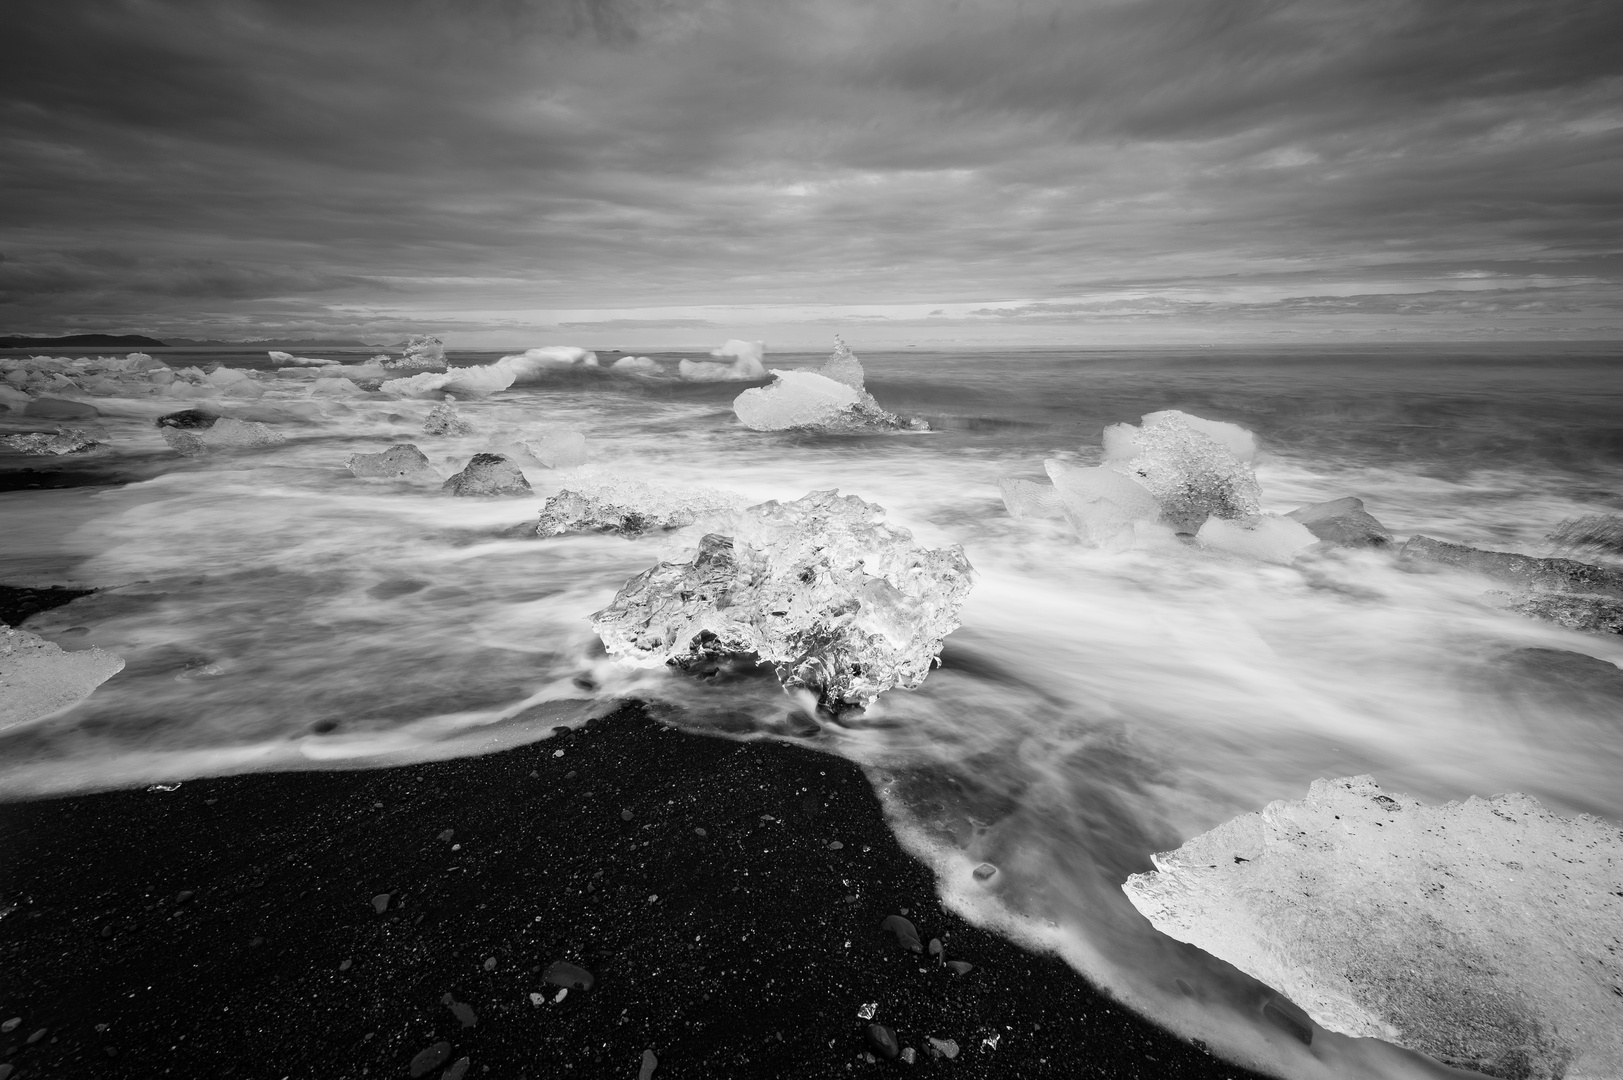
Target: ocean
x: 1093, y: 708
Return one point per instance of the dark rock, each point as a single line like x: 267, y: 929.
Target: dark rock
x: 59, y: 409
x: 883, y: 1040
x: 458, y: 1069
x: 187, y: 419
x: 403, y: 461
x: 1547, y: 575
x: 380, y: 903
x: 462, y: 1011
x: 488, y: 474
x: 1343, y: 522
x: 570, y: 976
x: 907, y: 936
x: 960, y: 967
x: 649, y: 1064
x: 431, y: 1058
x: 1586, y: 614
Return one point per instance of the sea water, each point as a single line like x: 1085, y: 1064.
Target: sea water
x: 1094, y: 707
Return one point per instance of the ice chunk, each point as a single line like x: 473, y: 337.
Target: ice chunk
x: 1193, y: 474
x: 1030, y: 499
x: 37, y: 678
x: 609, y: 502
x: 838, y: 601
x: 403, y: 461
x: 1343, y: 522
x: 1103, y: 506
x: 636, y: 363
x: 442, y: 419
x: 746, y: 363
x: 288, y: 358
x: 193, y: 434
x: 479, y: 381
x: 810, y: 399
x: 1266, y: 537
x: 62, y: 442
x: 560, y: 449
x: 1483, y: 933
x: 488, y: 474
x: 423, y: 351
x: 842, y: 365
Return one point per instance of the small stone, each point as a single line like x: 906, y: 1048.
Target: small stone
x: 935, y: 947
x: 184, y: 895
x: 984, y: 871
x: 625, y: 815
x: 345, y: 965
x: 947, y: 1048
x: 380, y: 902
x: 445, y: 837
x: 835, y: 845
x: 5, y: 1070
x: 557, y: 753
x: 490, y: 963
x: 906, y: 935
x: 883, y: 1040
x: 11, y: 1025
x: 560, y: 995
x: 960, y: 967
x: 701, y: 832
x: 570, y: 775
x: 536, y: 999
x: 458, y: 1069
x: 431, y: 1058
x: 37, y: 1036
x: 464, y: 1013
x: 255, y: 942
x: 909, y: 1055
x: 649, y: 1064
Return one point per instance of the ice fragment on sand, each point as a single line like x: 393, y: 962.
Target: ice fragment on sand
x: 442, y: 419
x: 608, y: 502
x: 488, y: 474
x: 37, y: 678
x: 1195, y: 468
x: 1030, y: 499
x: 1266, y: 537
x: 814, y: 400
x: 402, y: 461
x: 1482, y: 933
x: 561, y: 449
x: 822, y: 588
x: 1102, y: 505
x: 193, y: 434
x: 1343, y: 522
x: 746, y: 363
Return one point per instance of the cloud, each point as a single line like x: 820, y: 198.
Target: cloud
x: 254, y: 162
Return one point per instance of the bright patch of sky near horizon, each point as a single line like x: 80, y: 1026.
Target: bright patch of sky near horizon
x: 678, y: 171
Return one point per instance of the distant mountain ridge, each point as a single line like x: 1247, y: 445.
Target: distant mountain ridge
x: 106, y: 341
x: 275, y: 343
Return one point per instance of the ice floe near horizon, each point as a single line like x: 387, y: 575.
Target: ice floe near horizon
x: 831, y: 398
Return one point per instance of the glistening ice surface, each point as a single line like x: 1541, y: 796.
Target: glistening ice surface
x: 1094, y: 707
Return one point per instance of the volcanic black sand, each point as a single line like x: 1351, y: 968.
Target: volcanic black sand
x: 727, y: 897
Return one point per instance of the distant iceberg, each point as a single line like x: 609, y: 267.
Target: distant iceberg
x: 420, y: 351
x: 746, y: 363
x: 289, y: 358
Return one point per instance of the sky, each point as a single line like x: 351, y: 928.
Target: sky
x: 644, y: 173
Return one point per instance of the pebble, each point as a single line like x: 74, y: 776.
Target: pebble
x: 935, y: 946
x: 536, y: 999
x: 909, y: 1055
x: 37, y: 1036
x: 5, y: 1070
x: 381, y: 902
x: 557, y: 753
x: 490, y: 963
x: 11, y: 1025
x: 947, y: 1048
x: 883, y: 1040
x: 431, y: 1058
x: 571, y: 774
x: 907, y: 936
x: 445, y: 837
x: 461, y: 1010
x: 701, y: 832
x: 458, y: 1069
x: 649, y: 1064
x: 562, y: 973
x: 184, y: 895
x: 835, y: 845
x: 625, y: 815
x: 346, y: 965
x: 960, y: 967
x: 984, y: 871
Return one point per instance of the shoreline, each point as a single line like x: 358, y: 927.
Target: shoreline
x: 205, y: 930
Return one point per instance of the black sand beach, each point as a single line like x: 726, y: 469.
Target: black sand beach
x: 229, y: 927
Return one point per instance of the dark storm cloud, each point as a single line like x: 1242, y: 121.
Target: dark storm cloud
x: 568, y: 154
